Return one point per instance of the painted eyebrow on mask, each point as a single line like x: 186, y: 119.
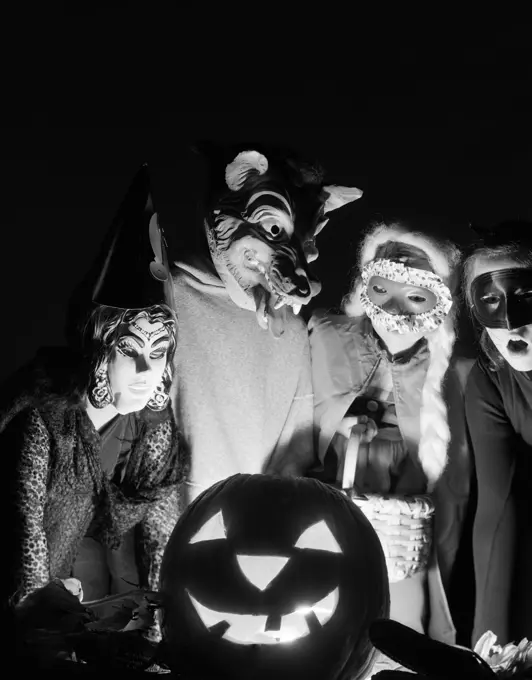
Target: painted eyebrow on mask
x: 160, y: 340
x: 417, y: 290
x: 141, y: 342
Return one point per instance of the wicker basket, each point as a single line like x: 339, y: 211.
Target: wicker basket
x: 404, y: 527
x: 404, y: 524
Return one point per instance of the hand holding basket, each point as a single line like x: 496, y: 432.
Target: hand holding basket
x: 404, y: 524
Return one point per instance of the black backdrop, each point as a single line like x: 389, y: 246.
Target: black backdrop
x: 439, y: 128
x: 442, y: 131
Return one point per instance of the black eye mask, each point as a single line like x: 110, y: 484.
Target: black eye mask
x: 503, y: 299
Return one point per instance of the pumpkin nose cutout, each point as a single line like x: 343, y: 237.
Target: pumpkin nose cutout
x: 260, y: 570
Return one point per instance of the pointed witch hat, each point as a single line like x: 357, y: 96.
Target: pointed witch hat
x: 133, y: 270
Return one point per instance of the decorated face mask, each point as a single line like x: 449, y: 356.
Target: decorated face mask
x: 404, y: 299
x: 502, y: 303
x: 262, y: 236
x: 138, y: 364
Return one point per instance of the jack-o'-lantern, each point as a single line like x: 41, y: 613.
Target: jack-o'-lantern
x: 268, y: 577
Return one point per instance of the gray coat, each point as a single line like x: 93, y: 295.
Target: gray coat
x: 345, y: 353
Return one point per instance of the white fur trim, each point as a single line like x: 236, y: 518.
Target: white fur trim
x: 383, y: 233
x: 434, y: 424
x: 245, y: 163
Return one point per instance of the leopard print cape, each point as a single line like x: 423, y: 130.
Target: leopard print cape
x: 51, y: 455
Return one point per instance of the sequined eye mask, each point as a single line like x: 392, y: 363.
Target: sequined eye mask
x: 406, y: 323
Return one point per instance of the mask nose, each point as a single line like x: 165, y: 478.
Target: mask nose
x: 141, y: 364
x: 513, y: 315
x: 392, y: 306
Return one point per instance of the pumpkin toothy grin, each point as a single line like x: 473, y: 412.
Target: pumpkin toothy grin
x: 272, y: 578
x: 249, y: 629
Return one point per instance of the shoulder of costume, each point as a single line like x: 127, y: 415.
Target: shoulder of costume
x: 323, y: 320
x: 47, y: 383
x: 334, y: 335
x: 190, y: 261
x: 195, y: 270
x: 297, y: 324
x: 482, y: 369
x: 155, y: 419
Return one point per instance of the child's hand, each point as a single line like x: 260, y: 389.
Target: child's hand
x: 73, y: 585
x: 363, y: 426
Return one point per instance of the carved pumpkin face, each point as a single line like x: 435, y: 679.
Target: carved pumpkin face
x: 271, y: 577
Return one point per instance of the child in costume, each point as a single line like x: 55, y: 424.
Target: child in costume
x: 86, y: 432
x: 389, y: 414
x: 242, y: 392
x: 498, y: 289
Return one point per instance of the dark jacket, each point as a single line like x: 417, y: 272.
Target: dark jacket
x: 499, y: 418
x: 51, y: 456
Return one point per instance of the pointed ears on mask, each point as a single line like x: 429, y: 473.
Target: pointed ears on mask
x: 336, y: 196
x: 248, y: 163
x: 245, y: 164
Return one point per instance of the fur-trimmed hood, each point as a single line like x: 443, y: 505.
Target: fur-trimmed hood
x: 444, y: 259
x: 443, y: 256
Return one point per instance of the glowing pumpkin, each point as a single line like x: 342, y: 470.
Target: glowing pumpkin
x: 269, y: 577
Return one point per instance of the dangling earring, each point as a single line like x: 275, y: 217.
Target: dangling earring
x: 159, y: 400
x: 100, y: 394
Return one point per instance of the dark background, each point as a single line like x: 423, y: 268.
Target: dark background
x: 440, y: 129
x: 429, y: 115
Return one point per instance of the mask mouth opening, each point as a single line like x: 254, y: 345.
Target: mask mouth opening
x: 517, y: 346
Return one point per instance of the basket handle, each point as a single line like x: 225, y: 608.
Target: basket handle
x: 350, y: 461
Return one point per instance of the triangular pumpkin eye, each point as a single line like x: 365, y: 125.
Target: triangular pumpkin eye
x: 212, y: 530
x: 318, y: 537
